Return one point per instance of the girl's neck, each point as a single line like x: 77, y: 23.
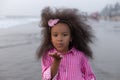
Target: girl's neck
x: 64, y: 52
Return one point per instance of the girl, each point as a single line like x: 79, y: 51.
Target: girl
x: 64, y: 48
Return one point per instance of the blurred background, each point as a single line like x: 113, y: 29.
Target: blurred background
x: 20, y: 36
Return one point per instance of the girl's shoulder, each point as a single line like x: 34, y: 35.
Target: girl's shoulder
x: 80, y: 53
x: 76, y: 51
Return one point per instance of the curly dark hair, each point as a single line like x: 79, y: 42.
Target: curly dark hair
x: 81, y: 32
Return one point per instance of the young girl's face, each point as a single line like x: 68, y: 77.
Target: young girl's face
x: 61, y: 37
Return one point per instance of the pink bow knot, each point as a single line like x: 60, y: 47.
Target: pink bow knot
x: 52, y: 22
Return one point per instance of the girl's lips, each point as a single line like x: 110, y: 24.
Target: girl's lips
x: 60, y: 44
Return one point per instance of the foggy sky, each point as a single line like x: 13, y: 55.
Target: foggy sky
x: 33, y: 7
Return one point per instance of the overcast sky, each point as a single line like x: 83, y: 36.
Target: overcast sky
x: 33, y: 7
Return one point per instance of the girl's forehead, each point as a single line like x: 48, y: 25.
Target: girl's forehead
x: 60, y: 27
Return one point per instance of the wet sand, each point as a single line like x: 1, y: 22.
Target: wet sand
x: 18, y: 47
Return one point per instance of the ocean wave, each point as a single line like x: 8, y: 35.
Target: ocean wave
x: 11, y: 22
x: 9, y: 41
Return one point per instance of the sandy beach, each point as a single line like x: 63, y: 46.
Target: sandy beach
x: 18, y: 47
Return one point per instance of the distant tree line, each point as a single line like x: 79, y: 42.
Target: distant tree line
x: 111, y: 10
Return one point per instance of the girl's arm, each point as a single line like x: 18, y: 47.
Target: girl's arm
x: 87, y: 70
x: 50, y: 66
x: 46, y: 67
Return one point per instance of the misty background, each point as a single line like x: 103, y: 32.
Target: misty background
x: 33, y: 7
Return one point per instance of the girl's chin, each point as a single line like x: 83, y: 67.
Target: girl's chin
x: 61, y: 50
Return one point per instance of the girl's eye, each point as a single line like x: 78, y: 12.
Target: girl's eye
x: 55, y: 35
x: 65, y: 34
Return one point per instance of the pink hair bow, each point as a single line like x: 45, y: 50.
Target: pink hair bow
x: 52, y: 22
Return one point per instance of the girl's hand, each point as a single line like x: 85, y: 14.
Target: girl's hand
x: 56, y: 55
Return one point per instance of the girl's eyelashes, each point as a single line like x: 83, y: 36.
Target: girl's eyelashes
x: 64, y: 34
x: 55, y: 35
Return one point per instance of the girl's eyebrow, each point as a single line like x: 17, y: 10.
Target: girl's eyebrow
x: 58, y: 32
x: 65, y: 32
x: 54, y: 32
x: 62, y: 32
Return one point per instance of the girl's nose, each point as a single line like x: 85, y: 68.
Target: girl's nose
x: 59, y: 38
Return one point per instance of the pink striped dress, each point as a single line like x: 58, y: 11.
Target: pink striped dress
x: 73, y: 66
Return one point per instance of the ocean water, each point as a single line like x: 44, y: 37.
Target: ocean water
x: 106, y: 50
x: 6, y: 22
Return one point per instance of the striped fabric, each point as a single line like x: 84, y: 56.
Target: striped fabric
x: 73, y: 66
